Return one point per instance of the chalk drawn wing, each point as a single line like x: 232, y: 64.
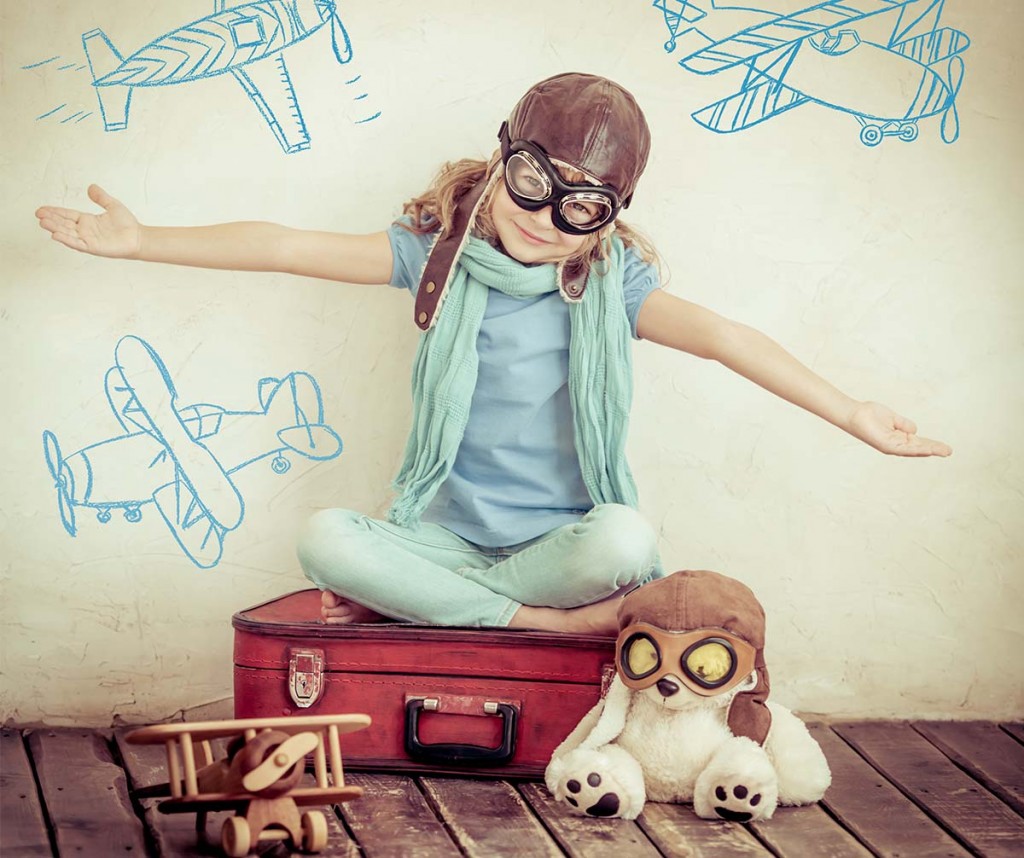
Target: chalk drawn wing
x: 748, y: 107
x: 191, y: 524
x: 779, y: 32
x: 269, y: 86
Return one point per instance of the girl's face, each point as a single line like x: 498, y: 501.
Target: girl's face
x: 530, y: 237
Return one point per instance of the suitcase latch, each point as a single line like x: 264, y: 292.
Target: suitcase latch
x: 306, y: 676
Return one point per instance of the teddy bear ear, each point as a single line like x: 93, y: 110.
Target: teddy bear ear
x: 748, y: 713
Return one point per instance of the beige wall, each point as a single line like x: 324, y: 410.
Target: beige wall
x: 893, y: 587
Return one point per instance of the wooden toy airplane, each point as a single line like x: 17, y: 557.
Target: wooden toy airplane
x: 259, y: 777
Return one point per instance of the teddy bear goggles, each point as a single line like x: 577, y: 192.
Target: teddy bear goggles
x: 709, y: 661
x: 534, y: 182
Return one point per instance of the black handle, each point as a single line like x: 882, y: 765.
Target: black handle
x: 456, y: 753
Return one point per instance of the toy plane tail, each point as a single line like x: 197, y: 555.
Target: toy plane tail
x: 115, y: 99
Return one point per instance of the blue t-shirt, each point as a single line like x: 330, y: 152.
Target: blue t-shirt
x: 516, y: 475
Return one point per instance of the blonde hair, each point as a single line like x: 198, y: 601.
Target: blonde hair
x: 435, y: 208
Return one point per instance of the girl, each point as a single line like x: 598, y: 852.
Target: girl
x: 516, y: 506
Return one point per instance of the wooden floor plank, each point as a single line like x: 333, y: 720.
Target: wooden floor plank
x: 878, y: 813
x: 678, y: 832
x: 86, y: 794
x: 796, y: 832
x: 925, y: 775
x: 1015, y: 729
x: 393, y: 819
x: 22, y: 824
x: 489, y: 818
x: 587, y: 837
x: 985, y: 751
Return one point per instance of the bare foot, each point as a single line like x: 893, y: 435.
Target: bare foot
x: 599, y: 618
x: 337, y: 610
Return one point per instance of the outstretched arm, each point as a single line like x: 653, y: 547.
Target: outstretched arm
x: 245, y: 246
x: 671, y: 321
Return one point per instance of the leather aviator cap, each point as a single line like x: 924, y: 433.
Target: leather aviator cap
x: 583, y: 120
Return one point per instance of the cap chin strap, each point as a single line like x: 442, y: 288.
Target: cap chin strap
x: 440, y: 265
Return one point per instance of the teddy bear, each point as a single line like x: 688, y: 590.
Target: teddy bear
x: 686, y: 717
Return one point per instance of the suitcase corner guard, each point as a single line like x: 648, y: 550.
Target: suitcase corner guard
x: 457, y: 753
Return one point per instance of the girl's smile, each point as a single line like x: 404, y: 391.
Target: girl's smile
x: 530, y: 237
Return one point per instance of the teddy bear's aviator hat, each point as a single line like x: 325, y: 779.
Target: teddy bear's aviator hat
x: 708, y: 600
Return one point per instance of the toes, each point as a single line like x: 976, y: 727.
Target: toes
x: 606, y: 805
x: 329, y: 599
x: 740, y: 797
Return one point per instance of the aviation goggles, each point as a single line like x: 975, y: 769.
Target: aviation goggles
x: 708, y: 661
x: 534, y: 182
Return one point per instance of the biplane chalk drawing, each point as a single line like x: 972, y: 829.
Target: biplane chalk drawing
x: 259, y: 779
x: 181, y: 457
x: 843, y: 56
x: 241, y: 37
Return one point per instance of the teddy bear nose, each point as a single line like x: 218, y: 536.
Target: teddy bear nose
x: 667, y: 687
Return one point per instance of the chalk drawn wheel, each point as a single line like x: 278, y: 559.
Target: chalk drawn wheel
x: 871, y: 135
x: 63, y: 480
x: 261, y: 762
x: 280, y: 465
x: 908, y: 132
x: 235, y: 837
x: 314, y: 831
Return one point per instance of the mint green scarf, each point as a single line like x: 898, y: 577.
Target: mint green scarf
x: 445, y: 372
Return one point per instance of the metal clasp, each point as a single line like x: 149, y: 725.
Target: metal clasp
x: 306, y: 676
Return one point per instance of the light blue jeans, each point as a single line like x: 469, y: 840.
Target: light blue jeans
x: 428, y: 574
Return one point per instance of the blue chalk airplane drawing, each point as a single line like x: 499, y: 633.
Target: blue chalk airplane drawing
x: 241, y: 37
x: 816, y: 54
x: 181, y: 458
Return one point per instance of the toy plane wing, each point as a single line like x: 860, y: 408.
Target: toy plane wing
x: 779, y: 32
x: 206, y: 730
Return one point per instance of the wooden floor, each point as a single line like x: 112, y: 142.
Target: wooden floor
x: 912, y: 790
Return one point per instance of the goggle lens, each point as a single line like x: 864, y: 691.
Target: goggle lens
x: 642, y: 656
x: 709, y: 663
x: 585, y: 210
x: 526, y: 178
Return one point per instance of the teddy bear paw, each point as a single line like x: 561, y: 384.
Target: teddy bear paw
x: 740, y: 785
x: 736, y: 803
x: 594, y: 796
x: 603, y: 783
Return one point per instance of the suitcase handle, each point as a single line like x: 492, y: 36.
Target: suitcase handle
x: 455, y: 753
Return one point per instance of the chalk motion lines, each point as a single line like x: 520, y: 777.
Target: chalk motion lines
x: 822, y: 54
x: 245, y: 39
x: 181, y: 458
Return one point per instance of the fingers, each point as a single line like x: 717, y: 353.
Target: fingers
x: 914, y: 445
x: 101, y: 197
x: 904, y: 424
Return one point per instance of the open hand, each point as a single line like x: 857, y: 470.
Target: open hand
x: 889, y: 432
x: 114, y: 233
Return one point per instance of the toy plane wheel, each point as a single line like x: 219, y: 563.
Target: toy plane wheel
x: 235, y: 837
x: 314, y: 831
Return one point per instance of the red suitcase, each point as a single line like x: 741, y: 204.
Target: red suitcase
x: 487, y: 701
